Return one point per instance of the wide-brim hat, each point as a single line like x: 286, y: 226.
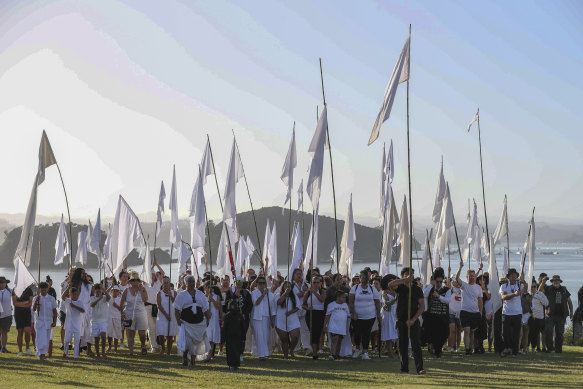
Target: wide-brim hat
x: 556, y: 277
x: 134, y: 276
x: 3, y: 279
x: 512, y: 271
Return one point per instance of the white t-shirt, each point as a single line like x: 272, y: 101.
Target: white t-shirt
x: 470, y: 295
x: 364, y: 305
x: 314, y: 302
x: 6, y: 302
x: 339, y: 314
x: 184, y: 300
x: 99, y: 313
x: 113, y: 312
x: 73, y: 320
x: 152, y: 291
x: 64, y: 286
x: 265, y: 307
x: 455, y: 302
x: 513, y: 306
x: 45, y: 312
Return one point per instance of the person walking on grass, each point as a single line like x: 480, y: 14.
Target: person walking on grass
x: 364, y: 303
x: 232, y: 334
x: 23, y: 319
x: 287, y: 321
x: 539, y: 303
x: 472, y: 306
x: 5, y: 313
x: 337, y: 316
x: 437, y: 318
x: 166, y: 325
x: 408, y: 326
x: 512, y: 311
x: 75, y: 311
x: 133, y: 314
x: 560, y: 307
x: 45, y: 309
x: 99, y: 306
x: 262, y: 318
x: 313, y: 304
x: 114, y: 319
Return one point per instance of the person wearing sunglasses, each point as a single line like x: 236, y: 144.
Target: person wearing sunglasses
x: 364, y: 303
x: 437, y: 319
x: 313, y: 304
x: 242, y: 298
x: 262, y: 318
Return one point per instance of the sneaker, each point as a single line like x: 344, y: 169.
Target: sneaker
x: 62, y: 348
x: 241, y: 358
x: 365, y: 356
x: 320, y: 351
x: 5, y: 351
x: 422, y: 372
x: 28, y: 352
x: 356, y: 354
x: 122, y: 345
x: 220, y: 353
x: 20, y: 354
x: 309, y: 353
x: 331, y: 358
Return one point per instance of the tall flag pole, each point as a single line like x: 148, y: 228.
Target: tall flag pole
x: 408, y: 63
x: 287, y: 176
x: 331, y: 165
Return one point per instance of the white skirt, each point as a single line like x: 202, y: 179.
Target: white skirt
x: 261, y: 333
x: 114, y: 327
x: 388, y: 328
x: 162, y: 325
x: 213, y: 331
x: 192, y: 338
x: 293, y: 321
x: 43, y: 336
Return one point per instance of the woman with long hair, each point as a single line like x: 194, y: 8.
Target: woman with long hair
x: 364, y: 303
x: 133, y: 315
x: 213, y: 331
x: 313, y: 303
x: 85, y: 287
x: 287, y: 321
x: 166, y: 324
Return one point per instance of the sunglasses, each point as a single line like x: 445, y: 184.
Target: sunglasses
x: 262, y: 283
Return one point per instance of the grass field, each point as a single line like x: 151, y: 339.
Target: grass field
x: 453, y: 370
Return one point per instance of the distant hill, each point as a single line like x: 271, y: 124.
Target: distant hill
x: 366, y: 248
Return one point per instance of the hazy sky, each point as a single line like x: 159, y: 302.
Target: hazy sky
x: 127, y: 89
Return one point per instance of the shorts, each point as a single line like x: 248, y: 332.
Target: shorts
x: 62, y: 318
x: 5, y: 323
x: 470, y: 319
x: 98, y: 328
x: 22, y: 318
x: 453, y: 319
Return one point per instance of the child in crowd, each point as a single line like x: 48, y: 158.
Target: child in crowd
x: 388, y: 311
x: 231, y: 333
x: 45, y: 309
x: 73, y: 323
x: 335, y: 323
x: 99, y: 316
x: 114, y: 319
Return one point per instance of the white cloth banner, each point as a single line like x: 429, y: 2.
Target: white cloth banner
x: 175, y: 236
x: 160, y: 210
x: 81, y: 256
x: 404, y: 236
x: 291, y: 161
x: 126, y: 230
x: 62, y: 244
x: 316, y: 150
x: 22, y: 277
x: 347, y: 243
x: 197, y: 216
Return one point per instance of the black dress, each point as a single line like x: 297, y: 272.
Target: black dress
x: 232, y: 334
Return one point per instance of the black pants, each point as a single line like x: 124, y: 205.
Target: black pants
x: 555, y: 324
x: 498, y: 339
x: 511, y: 325
x: 437, y: 331
x: 317, y: 325
x: 415, y: 336
x: 362, y: 329
x: 244, y: 329
x: 234, y: 351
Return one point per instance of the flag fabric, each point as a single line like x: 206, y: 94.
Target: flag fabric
x: 400, y: 74
x: 234, y: 174
x: 24, y: 248
x: 502, y: 228
x: 197, y: 216
x: 206, y: 165
x: 175, y: 236
x: 347, y: 244
x: 301, y: 195
x: 445, y: 222
x: 242, y: 254
x: 250, y: 249
x: 184, y: 255
x: 531, y: 251
x: 439, y: 196
x: 506, y: 264
x: 316, y: 150
x: 107, y: 254
x: 312, y: 246
x: 493, y: 270
x: 95, y: 236
x: 22, y: 277
x: 297, y: 250
x: 472, y: 226
x: 476, y: 248
x: 334, y: 258
x: 126, y: 230
x: 389, y: 232
x: 46, y: 157
x: 81, y: 256
x: 266, y: 242
x: 146, y: 274
x: 523, y: 257
x: 425, y: 263
x: 390, y: 168
x: 476, y: 118
x: 404, y: 236
x: 383, y: 188
x: 272, y: 264
x: 62, y: 244
x: 160, y: 210
x: 291, y: 161
x: 223, y: 263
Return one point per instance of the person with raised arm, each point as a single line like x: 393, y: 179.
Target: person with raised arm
x: 166, y: 324
x: 472, y: 306
x: 45, y: 309
x: 512, y: 311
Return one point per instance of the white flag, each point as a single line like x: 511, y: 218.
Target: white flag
x: 334, y: 258
x: 347, y: 245
x: 506, y: 265
x: 184, y: 255
x: 476, y: 252
x: 175, y: 236
x: 291, y: 161
x: 62, y: 243
x: 81, y: 256
x: 234, y: 174
x: 301, y: 195
x: 22, y: 277
x: 471, y: 231
x: 95, y: 236
x: 531, y: 251
x: 445, y: 223
x: 197, y: 216
x: 439, y: 196
x: 316, y: 150
x: 476, y: 118
x: 312, y: 246
x: 107, y: 264
x: 46, y: 157
x: 241, y: 256
x: 502, y: 228
x: 266, y: 242
x: 425, y: 263
x: 126, y: 230
x: 297, y: 252
x: 383, y: 188
x: 160, y: 209
x: 250, y: 250
x: 146, y: 274
x: 400, y: 74
x: 404, y: 236
x: 24, y: 248
x: 493, y: 287
x: 389, y: 232
x: 206, y: 165
x: 272, y: 265
x: 223, y: 256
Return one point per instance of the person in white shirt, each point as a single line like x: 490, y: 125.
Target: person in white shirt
x: 45, y: 308
x: 313, y: 304
x: 5, y: 313
x: 389, y: 314
x: 364, y: 303
x: 62, y: 309
x: 512, y: 311
x: 124, y: 278
x: 166, y: 325
x: 539, y: 303
x: 75, y: 311
x: 151, y: 305
x: 455, y: 325
x: 99, y: 306
x: 191, y: 309
x: 472, y: 306
x: 437, y: 319
x: 337, y: 315
x: 262, y: 318
x: 300, y: 289
x: 114, y: 319
x: 213, y: 330
x: 287, y: 321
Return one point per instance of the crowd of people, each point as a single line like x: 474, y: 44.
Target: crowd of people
x: 354, y: 317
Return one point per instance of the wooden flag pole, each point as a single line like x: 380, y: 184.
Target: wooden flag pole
x: 69, y: 216
x: 215, y: 170
x: 507, y: 231
x: 482, y: 174
x: 208, y: 232
x: 410, y: 202
x: 331, y: 172
x: 39, y: 253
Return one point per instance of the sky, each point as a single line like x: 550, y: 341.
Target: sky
x: 127, y: 89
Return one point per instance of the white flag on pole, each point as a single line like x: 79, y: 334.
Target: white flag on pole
x: 404, y: 236
x: 425, y: 263
x: 312, y: 244
x: 175, y: 236
x: 297, y: 252
x: 272, y: 264
x: 197, y: 216
x: 389, y: 233
x: 266, y: 242
x: 147, y: 267
x: 95, y: 236
x: 160, y: 208
x: 501, y: 229
x: 506, y: 264
x: 400, y: 74
x: 81, y: 256
x: 126, y: 230
x: 183, y: 257
x: 234, y: 174
x: 22, y: 277
x: 46, y: 157
x: 439, y: 196
x: 494, y: 289
x: 206, y: 165
x: 474, y: 119
x: 24, y: 248
x: 347, y: 244
x: 301, y: 195
x: 62, y: 244
x: 316, y: 150
x: 291, y: 161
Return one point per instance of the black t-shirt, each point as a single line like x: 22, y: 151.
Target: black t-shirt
x: 403, y: 301
x: 26, y: 295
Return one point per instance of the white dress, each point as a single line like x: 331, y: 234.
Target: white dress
x: 161, y: 322
x: 213, y: 331
x: 388, y: 328
x: 192, y: 337
x: 293, y: 321
x: 261, y: 323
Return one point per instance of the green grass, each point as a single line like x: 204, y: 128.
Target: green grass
x: 453, y: 370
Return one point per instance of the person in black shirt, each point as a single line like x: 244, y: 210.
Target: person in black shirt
x: 231, y: 332
x: 23, y: 318
x: 242, y: 297
x: 560, y: 306
x: 408, y: 324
